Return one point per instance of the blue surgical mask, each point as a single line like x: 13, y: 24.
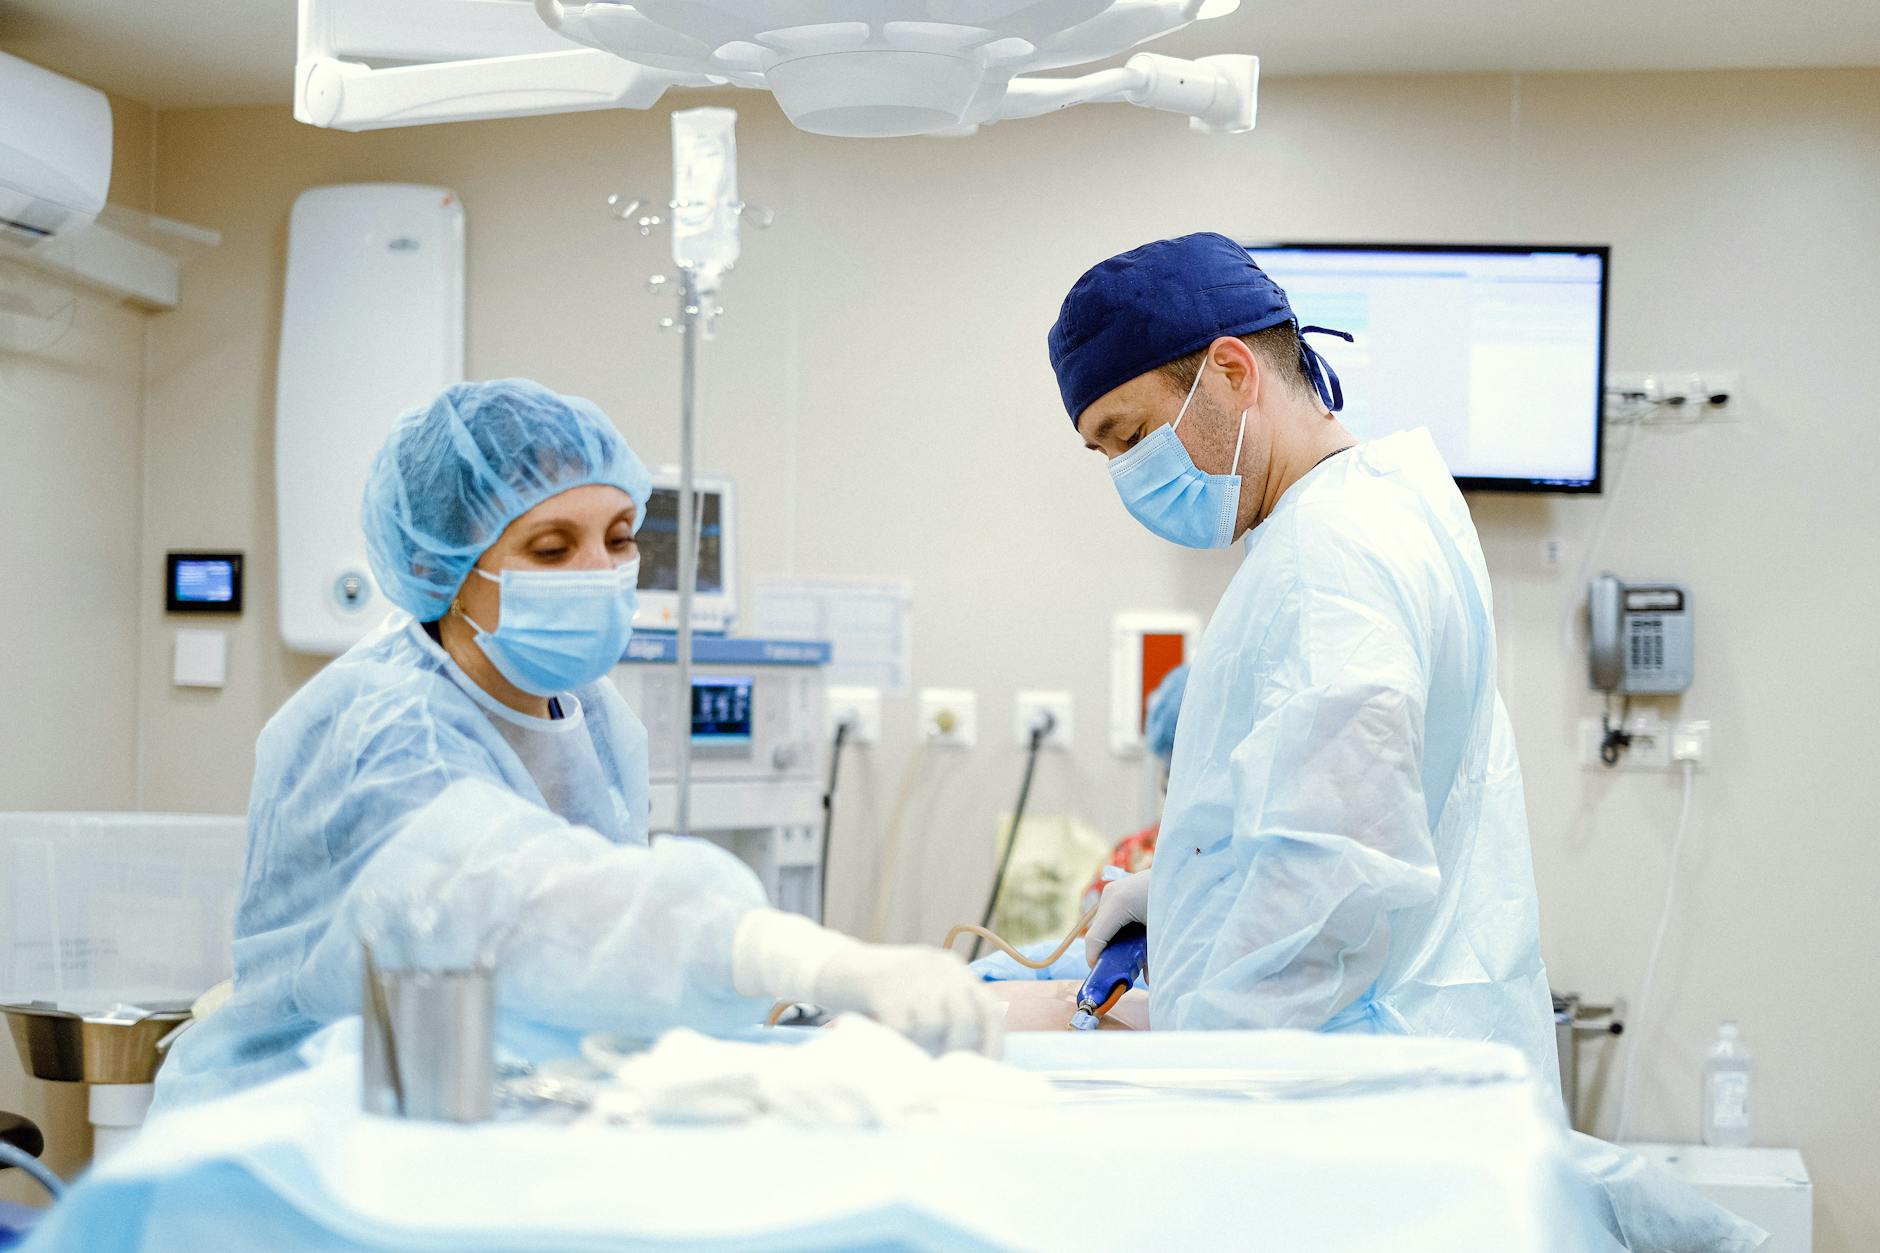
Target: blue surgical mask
x: 559, y: 629
x: 1161, y: 486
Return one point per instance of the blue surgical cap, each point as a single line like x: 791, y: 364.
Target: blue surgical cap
x: 1165, y: 706
x: 1161, y: 302
x: 452, y: 475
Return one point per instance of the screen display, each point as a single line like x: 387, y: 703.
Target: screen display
x: 1499, y: 351
x: 205, y: 582
x: 721, y: 710
x: 659, y: 542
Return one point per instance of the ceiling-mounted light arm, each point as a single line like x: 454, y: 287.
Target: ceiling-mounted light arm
x: 346, y: 95
x: 1218, y: 94
x: 1035, y: 97
x: 470, y: 60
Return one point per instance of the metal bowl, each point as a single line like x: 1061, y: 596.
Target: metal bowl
x: 67, y: 1047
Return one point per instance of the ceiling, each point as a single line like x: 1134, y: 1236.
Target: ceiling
x: 184, y: 53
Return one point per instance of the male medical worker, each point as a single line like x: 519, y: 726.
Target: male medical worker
x: 1344, y: 846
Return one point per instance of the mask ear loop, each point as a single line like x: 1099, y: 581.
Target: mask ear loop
x: 456, y: 602
x: 1239, y: 439
x: 1189, y: 398
x: 456, y: 607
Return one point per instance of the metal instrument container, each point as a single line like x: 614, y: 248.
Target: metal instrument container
x: 1573, y: 1020
x: 119, y: 1046
x: 429, y: 1049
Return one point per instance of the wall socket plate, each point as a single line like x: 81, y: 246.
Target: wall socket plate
x: 1682, y: 396
x: 1650, y: 750
x: 1690, y: 741
x: 949, y: 716
x: 861, y: 706
x: 1025, y: 710
x: 1657, y: 745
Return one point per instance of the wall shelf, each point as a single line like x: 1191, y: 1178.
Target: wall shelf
x: 136, y: 257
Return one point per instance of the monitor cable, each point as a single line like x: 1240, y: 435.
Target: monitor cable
x: 1041, y: 729
x: 829, y: 819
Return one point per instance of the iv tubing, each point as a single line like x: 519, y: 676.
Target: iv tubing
x: 1081, y: 926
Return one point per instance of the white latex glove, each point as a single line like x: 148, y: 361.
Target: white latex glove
x: 1124, y: 901
x: 924, y: 993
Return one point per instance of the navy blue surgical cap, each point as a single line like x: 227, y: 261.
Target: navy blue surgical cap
x: 1161, y: 302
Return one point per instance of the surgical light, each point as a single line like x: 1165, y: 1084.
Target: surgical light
x: 852, y: 68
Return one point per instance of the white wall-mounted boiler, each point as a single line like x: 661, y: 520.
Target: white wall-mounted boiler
x: 371, y: 326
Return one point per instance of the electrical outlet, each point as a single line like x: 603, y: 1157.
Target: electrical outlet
x: 1670, y: 397
x: 1690, y: 741
x: 949, y: 716
x: 1649, y: 751
x: 860, y: 707
x: 1028, y: 708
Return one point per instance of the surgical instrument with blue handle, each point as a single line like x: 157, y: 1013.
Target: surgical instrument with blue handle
x: 1117, y: 968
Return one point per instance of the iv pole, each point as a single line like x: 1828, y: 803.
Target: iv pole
x: 689, y: 317
x: 705, y: 214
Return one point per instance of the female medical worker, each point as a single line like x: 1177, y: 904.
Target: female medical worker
x: 467, y: 776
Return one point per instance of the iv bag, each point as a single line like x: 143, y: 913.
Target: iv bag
x: 705, y: 192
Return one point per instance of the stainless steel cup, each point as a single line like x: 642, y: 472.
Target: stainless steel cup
x: 429, y: 1043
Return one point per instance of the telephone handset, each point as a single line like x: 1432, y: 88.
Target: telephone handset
x: 1639, y: 637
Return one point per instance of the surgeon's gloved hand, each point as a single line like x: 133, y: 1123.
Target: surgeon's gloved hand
x: 924, y: 993
x: 1124, y: 901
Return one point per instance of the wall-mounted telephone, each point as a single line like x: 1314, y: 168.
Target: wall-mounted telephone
x: 1639, y: 637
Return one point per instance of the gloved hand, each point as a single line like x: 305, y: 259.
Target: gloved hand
x: 924, y: 993
x: 1124, y: 901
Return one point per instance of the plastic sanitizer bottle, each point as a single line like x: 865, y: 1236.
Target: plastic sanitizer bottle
x: 1727, y: 1107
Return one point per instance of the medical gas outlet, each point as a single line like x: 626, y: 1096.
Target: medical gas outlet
x: 949, y: 716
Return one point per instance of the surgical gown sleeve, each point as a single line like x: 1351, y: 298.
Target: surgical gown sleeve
x: 587, y: 934
x: 1331, y: 830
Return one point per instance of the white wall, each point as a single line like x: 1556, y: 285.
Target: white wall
x: 71, y: 437
x: 881, y: 393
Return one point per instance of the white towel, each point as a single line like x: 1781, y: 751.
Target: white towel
x: 853, y: 1073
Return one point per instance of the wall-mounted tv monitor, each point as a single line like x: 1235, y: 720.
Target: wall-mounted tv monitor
x: 1499, y: 349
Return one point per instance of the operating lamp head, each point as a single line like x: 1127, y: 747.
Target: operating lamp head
x: 900, y: 67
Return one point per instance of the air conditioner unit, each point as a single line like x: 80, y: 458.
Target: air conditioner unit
x: 55, y: 152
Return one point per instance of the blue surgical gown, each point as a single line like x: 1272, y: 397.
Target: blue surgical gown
x: 1345, y: 842
x: 386, y: 795
x: 1344, y: 845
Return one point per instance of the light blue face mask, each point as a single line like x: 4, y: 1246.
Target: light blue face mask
x: 1161, y: 486
x: 558, y: 629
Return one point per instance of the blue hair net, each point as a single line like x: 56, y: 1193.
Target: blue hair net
x: 451, y: 476
x: 1165, y: 706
